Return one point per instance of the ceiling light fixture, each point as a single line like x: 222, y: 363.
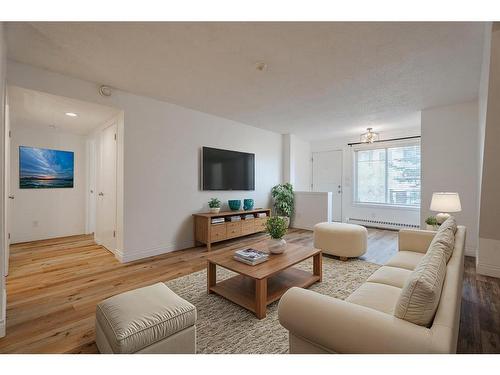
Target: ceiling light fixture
x: 71, y: 114
x: 369, y: 136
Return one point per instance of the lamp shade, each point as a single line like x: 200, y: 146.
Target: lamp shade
x: 445, y: 202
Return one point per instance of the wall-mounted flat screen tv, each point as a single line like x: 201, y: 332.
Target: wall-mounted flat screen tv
x: 227, y: 170
x: 40, y: 168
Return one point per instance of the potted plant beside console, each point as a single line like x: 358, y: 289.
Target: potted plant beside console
x: 276, y: 226
x: 283, y: 201
x: 214, y: 205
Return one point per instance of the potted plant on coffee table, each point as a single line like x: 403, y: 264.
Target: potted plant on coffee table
x: 276, y: 226
x: 283, y: 201
x: 214, y: 205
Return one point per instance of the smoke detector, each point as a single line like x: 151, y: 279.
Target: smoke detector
x: 105, y: 90
x: 261, y: 66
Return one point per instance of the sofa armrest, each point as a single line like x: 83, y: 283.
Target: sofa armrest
x: 342, y: 327
x: 415, y: 240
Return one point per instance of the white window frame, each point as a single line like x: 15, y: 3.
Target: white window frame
x: 376, y: 146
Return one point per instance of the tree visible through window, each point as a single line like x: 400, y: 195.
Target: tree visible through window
x: 388, y: 175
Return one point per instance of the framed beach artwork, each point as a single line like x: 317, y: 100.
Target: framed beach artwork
x: 40, y: 168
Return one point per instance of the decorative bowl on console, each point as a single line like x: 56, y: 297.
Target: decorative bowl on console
x: 248, y: 204
x: 234, y: 204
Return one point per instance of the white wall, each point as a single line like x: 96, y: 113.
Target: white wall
x: 47, y: 213
x: 311, y: 208
x: 3, y: 260
x: 483, y: 95
x: 367, y: 212
x: 162, y: 144
x: 297, y: 167
x: 488, y: 260
x: 162, y: 167
x: 450, y: 159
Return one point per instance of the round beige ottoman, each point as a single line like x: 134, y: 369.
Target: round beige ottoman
x: 341, y: 239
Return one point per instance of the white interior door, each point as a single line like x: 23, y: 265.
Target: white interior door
x: 8, y: 192
x: 327, y: 176
x: 91, y: 186
x: 106, y: 196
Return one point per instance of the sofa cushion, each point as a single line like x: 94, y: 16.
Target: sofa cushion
x: 445, y: 237
x: 405, y: 259
x: 393, y: 276
x: 134, y: 320
x: 376, y: 296
x: 420, y: 295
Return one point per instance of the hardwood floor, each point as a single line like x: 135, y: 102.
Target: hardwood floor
x: 54, y: 285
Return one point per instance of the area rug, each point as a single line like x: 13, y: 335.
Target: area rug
x: 224, y: 327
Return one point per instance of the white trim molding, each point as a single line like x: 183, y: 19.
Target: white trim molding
x: 129, y: 256
x: 488, y: 259
x: 470, y: 252
x: 3, y: 318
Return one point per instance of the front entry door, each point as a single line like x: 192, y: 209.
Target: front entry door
x: 327, y: 176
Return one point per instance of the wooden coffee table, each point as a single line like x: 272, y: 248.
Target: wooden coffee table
x: 257, y: 286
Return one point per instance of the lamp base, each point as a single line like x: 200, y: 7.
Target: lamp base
x: 442, y: 217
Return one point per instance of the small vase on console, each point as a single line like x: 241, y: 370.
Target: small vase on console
x: 234, y: 204
x: 248, y: 204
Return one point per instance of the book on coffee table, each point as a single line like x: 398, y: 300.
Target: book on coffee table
x: 251, y: 256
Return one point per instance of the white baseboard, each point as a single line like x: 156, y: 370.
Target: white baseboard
x: 3, y: 322
x: 488, y: 260
x: 129, y: 256
x: 488, y: 269
x: 470, y: 252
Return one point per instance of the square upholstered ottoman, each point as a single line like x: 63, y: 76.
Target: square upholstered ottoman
x: 147, y: 320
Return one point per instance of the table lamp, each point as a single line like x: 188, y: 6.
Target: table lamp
x: 444, y: 203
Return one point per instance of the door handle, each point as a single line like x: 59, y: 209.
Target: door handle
x: 101, y: 194
x: 11, y: 197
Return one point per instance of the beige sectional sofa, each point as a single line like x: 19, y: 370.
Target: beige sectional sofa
x: 365, y: 321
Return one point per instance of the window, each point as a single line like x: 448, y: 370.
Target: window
x: 389, y: 176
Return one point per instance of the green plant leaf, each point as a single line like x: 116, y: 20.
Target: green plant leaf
x: 283, y: 199
x: 276, y: 227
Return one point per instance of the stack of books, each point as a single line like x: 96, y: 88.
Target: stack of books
x: 261, y: 214
x: 217, y: 220
x: 251, y: 256
x: 248, y: 216
x: 234, y: 218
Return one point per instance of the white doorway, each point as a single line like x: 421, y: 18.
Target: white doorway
x: 327, y: 176
x: 106, y: 188
x: 91, y: 185
x: 7, y: 191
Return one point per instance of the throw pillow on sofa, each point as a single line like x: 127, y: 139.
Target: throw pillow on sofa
x: 445, y: 237
x: 420, y: 295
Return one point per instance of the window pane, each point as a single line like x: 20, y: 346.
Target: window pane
x: 371, y: 176
x: 403, y: 179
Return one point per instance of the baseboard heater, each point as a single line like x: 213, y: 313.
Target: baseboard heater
x: 383, y: 224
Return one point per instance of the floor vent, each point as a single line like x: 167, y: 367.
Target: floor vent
x: 383, y: 224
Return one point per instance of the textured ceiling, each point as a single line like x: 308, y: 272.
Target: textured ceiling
x: 322, y: 80
x: 33, y: 108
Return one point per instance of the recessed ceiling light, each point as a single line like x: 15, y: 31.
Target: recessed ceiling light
x: 71, y: 114
x: 52, y: 126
